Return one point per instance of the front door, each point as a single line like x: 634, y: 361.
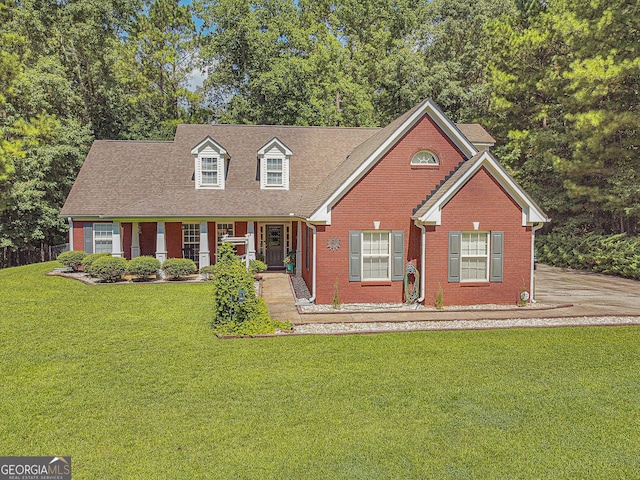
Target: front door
x: 274, y: 254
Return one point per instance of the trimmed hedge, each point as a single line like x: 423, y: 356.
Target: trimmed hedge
x: 92, y: 257
x: 143, y: 267
x: 609, y: 254
x: 208, y: 271
x: 72, y: 259
x: 108, y: 269
x: 177, y: 268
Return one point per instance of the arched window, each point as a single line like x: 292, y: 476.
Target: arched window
x: 424, y: 157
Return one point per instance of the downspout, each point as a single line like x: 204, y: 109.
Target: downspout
x: 313, y: 263
x: 423, y: 261
x: 534, y: 229
x: 70, y: 233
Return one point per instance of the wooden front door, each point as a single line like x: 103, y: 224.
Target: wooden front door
x: 274, y: 254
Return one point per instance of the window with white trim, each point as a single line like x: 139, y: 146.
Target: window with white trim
x: 474, y: 257
x: 224, y: 229
x: 376, y: 254
x: 209, y: 171
x: 191, y: 241
x: 274, y: 172
x: 425, y: 157
x: 102, y: 237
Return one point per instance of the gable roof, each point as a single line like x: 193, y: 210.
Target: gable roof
x: 430, y: 211
x: 364, y: 157
x: 132, y: 179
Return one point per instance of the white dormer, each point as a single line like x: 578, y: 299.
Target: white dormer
x: 210, y: 167
x: 274, y: 165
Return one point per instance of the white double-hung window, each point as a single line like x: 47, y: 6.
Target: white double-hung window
x: 376, y: 255
x: 474, y: 256
x: 209, y: 171
x: 102, y: 237
x: 274, y: 172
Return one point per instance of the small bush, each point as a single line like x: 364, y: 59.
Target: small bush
x: 257, y: 266
x: 208, y: 271
x: 143, y: 267
x: 89, y: 259
x: 108, y: 269
x: 72, y: 259
x: 178, y: 268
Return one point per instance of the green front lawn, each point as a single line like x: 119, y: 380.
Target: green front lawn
x: 130, y: 381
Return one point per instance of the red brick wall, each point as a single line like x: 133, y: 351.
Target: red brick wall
x: 482, y: 200
x: 126, y: 239
x: 78, y: 235
x: 240, y: 230
x: 148, y: 238
x: 173, y: 237
x: 213, y: 241
x: 388, y: 193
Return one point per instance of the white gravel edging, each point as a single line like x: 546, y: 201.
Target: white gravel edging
x: 371, y: 327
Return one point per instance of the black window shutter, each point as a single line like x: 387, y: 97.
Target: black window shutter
x: 354, y: 256
x: 455, y: 243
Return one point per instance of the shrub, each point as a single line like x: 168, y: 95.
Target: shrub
x: 250, y: 317
x: 143, y: 267
x: 89, y: 259
x: 257, y: 266
x: 178, y: 268
x: 208, y: 271
x: 72, y: 259
x: 108, y: 268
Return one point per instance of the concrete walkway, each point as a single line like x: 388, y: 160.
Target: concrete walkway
x: 569, y: 292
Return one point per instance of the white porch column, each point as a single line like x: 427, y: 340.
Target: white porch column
x: 251, y: 242
x: 135, y: 239
x: 299, y: 250
x: 70, y: 233
x: 204, y: 258
x: 116, y: 241
x: 161, y: 244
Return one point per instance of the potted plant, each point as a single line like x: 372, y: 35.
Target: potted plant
x: 290, y: 261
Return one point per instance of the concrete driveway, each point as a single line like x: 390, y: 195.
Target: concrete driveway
x: 590, y: 293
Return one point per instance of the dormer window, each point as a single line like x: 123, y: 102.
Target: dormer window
x: 209, y: 159
x: 274, y: 165
x: 425, y: 157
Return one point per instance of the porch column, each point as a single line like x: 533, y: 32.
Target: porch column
x: 135, y: 240
x: 116, y: 241
x: 204, y: 258
x: 299, y: 250
x: 70, y: 233
x: 251, y: 242
x: 161, y: 243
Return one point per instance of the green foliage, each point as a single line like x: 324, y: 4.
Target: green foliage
x: 439, y: 303
x: 257, y: 266
x: 143, y: 267
x: 231, y: 284
x: 92, y: 257
x: 208, y: 271
x: 72, y: 259
x: 335, y: 303
x: 108, y: 269
x: 178, y: 268
x: 610, y: 254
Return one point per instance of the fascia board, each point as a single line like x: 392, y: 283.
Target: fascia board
x: 530, y: 213
x: 221, y: 150
x: 323, y: 213
x: 276, y: 140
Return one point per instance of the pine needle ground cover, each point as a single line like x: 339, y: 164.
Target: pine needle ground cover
x: 130, y: 381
